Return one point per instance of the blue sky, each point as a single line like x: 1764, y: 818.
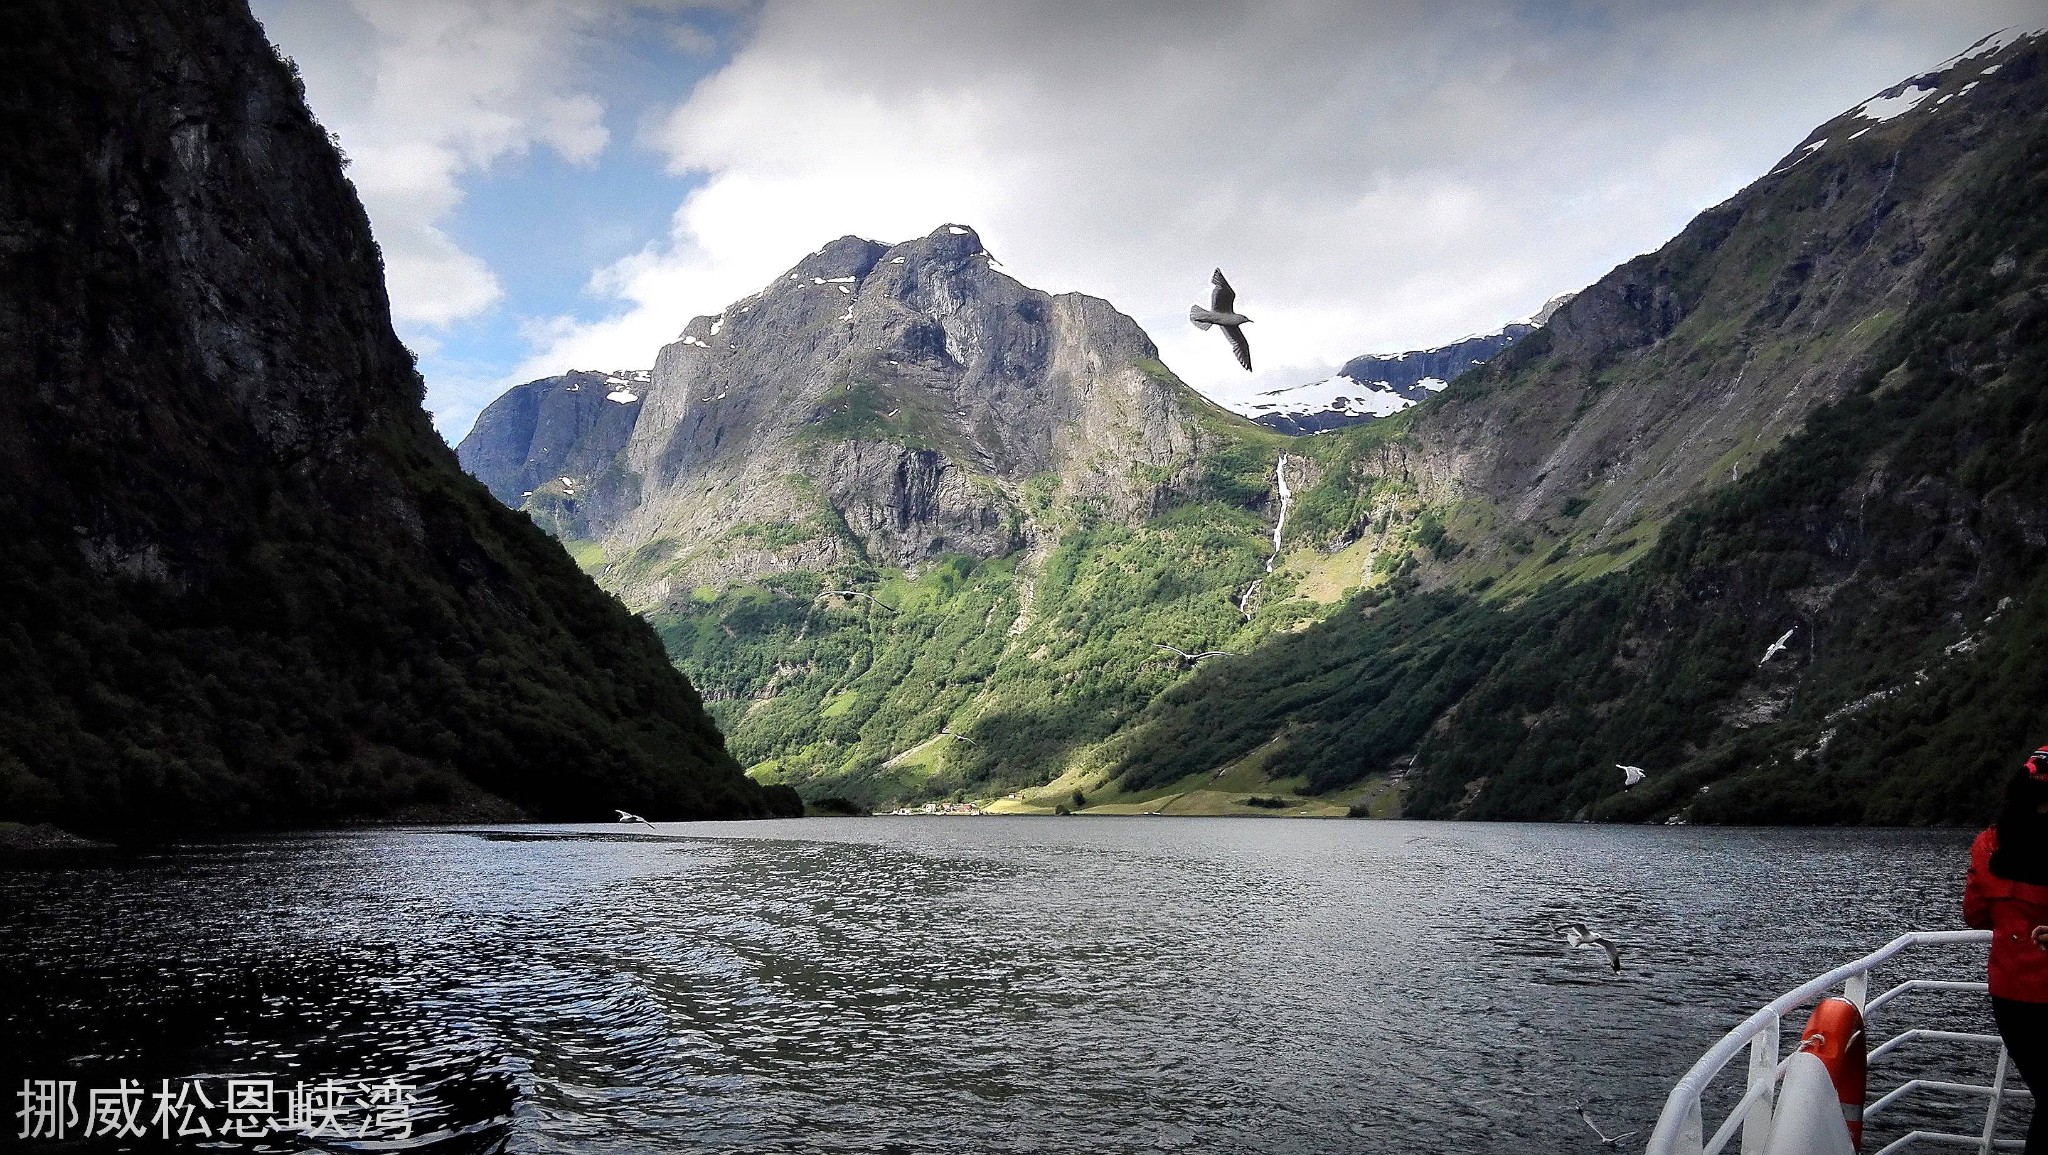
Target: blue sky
x: 563, y: 183
x: 541, y: 222
x: 545, y: 224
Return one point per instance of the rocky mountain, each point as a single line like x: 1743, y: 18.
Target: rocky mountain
x: 908, y: 559
x: 246, y: 583
x: 1378, y: 385
x: 1749, y: 512
x: 885, y: 405
x: 559, y: 429
x: 912, y: 427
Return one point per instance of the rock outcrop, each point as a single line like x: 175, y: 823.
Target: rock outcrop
x: 876, y: 404
x: 544, y: 445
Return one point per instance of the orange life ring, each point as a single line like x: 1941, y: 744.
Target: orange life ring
x: 1834, y: 1033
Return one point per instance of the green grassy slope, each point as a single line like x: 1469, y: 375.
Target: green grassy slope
x: 1032, y: 660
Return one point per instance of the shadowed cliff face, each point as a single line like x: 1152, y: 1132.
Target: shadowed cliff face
x: 544, y: 445
x: 887, y: 405
x: 247, y: 584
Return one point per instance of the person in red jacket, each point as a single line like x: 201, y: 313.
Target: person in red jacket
x: 2007, y: 894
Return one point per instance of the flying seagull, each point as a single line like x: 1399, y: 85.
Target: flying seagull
x: 1630, y: 774
x: 1778, y: 645
x: 629, y: 816
x: 1606, y: 1140
x: 1576, y: 935
x: 1222, y: 312
x: 1191, y: 659
x: 849, y: 595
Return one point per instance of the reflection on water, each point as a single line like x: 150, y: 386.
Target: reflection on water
x: 956, y: 985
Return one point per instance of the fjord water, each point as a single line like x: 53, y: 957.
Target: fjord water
x: 957, y: 985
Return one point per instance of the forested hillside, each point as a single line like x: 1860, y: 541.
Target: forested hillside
x: 246, y: 585
x: 1894, y: 543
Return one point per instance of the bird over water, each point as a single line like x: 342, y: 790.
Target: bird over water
x: 1576, y: 935
x: 1222, y: 313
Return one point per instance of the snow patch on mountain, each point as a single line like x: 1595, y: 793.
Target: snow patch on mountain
x: 1339, y: 394
x: 1882, y: 107
x: 1374, y: 386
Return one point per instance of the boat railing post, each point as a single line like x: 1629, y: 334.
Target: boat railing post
x: 1997, y: 1100
x: 1763, y: 1068
x: 1857, y: 990
x: 1692, y: 1136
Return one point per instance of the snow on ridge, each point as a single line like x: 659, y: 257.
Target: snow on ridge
x: 1340, y: 393
x: 1806, y: 150
x: 1904, y: 98
x: 1996, y: 42
x: 621, y: 396
x: 1881, y: 108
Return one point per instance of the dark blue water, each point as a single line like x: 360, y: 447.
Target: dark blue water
x: 957, y: 985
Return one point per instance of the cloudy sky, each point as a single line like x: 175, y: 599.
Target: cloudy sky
x: 562, y: 184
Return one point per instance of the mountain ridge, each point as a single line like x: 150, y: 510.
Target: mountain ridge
x: 1862, y: 513
x: 1376, y: 614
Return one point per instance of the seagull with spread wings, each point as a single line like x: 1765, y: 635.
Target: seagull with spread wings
x: 849, y: 595
x: 629, y: 816
x: 1779, y: 644
x: 1576, y: 935
x: 1191, y: 659
x: 1611, y: 1141
x: 1222, y: 313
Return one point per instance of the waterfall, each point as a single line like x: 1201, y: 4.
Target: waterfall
x: 1286, y: 499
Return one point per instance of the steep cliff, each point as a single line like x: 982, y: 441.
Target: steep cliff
x: 246, y: 585
x: 886, y: 405
x: 545, y: 446
x: 1754, y: 512
x: 559, y: 431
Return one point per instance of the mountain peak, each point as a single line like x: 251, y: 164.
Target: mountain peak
x: 901, y: 391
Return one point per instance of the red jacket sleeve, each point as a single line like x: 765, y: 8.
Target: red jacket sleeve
x: 1976, y: 903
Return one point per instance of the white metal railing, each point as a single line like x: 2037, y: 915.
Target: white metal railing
x: 1679, y: 1129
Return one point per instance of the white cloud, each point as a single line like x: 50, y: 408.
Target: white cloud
x: 1372, y: 177
x: 425, y: 93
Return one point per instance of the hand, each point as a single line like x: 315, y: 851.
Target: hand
x: 2041, y: 937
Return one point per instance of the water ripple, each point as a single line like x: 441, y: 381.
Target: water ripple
x: 905, y: 985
